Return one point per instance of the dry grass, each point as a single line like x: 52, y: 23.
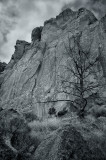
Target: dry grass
x: 50, y: 124
x: 40, y: 129
x: 90, y: 128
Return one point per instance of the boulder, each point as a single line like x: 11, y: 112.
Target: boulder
x: 69, y: 143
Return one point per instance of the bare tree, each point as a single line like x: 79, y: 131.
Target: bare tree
x: 82, y: 67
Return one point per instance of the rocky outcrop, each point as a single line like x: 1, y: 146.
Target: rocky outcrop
x: 72, y: 142
x: 2, y: 66
x: 36, y: 34
x: 20, y: 49
x: 33, y: 76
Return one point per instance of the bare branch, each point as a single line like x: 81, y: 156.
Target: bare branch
x: 84, y: 66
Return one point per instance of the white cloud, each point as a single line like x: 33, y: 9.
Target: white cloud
x: 19, y: 17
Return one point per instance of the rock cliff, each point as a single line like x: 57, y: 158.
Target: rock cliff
x: 32, y: 76
x: 2, y: 66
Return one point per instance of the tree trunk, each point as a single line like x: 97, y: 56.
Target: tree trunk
x: 82, y: 100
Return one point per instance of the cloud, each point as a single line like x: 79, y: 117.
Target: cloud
x: 19, y: 17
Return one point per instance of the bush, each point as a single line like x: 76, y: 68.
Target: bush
x: 52, y: 111
x: 62, y: 113
x: 30, y: 116
x: 17, y: 135
x: 1, y: 109
x: 99, y: 111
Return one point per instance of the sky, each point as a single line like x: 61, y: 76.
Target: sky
x: 19, y: 17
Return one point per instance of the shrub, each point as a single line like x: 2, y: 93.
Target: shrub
x: 17, y: 135
x: 1, y: 109
x: 30, y: 116
x: 99, y: 101
x: 62, y: 113
x: 52, y: 111
x: 99, y: 112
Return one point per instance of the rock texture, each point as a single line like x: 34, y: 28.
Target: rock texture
x: 72, y: 143
x: 36, y: 34
x: 2, y: 66
x: 32, y: 76
x: 20, y: 49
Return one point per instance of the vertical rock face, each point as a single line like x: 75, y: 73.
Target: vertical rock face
x: 2, y: 68
x: 32, y: 76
